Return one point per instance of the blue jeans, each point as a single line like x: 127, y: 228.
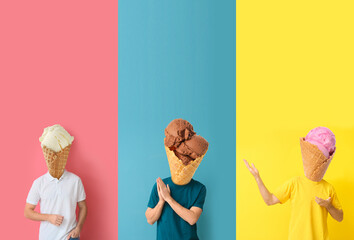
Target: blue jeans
x: 74, y: 238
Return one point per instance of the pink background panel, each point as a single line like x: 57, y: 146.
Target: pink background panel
x: 59, y: 64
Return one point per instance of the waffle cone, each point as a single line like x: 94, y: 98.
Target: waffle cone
x: 181, y: 174
x: 314, y: 162
x: 56, y: 161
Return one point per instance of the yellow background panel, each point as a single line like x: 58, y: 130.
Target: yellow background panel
x: 294, y: 72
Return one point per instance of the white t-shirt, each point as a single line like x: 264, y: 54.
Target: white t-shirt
x: 57, y: 197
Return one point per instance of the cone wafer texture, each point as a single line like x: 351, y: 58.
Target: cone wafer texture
x: 56, y: 161
x: 181, y: 174
x: 314, y: 161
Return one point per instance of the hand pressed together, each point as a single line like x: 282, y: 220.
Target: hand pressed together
x: 163, y: 190
x: 161, y: 199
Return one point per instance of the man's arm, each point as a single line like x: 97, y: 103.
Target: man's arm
x: 189, y: 215
x: 82, y: 214
x: 82, y: 217
x: 153, y: 214
x: 36, y: 216
x: 268, y: 197
x: 337, y: 214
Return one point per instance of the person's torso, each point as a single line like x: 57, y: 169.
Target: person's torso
x: 308, y: 219
x: 58, y: 197
x: 170, y: 226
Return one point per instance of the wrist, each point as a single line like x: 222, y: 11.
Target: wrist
x: 47, y: 217
x: 79, y: 227
x: 329, y: 207
x: 257, y: 178
x: 169, y: 199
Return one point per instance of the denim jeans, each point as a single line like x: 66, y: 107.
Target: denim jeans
x: 74, y: 238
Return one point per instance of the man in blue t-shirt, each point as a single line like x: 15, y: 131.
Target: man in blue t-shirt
x: 176, y: 208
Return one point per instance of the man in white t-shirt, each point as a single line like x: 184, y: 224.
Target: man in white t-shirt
x: 58, y: 191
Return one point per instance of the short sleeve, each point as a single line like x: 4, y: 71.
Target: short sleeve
x: 154, y: 197
x: 199, y: 202
x: 33, y: 195
x: 283, y: 193
x: 81, y: 195
x: 335, y: 200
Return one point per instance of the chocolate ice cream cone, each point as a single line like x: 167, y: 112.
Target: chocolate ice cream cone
x: 181, y: 174
x: 56, y: 161
x: 314, y: 162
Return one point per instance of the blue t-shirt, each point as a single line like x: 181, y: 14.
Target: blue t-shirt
x: 170, y: 226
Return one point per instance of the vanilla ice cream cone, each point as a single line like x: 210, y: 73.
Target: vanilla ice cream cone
x: 314, y: 161
x: 181, y: 174
x: 56, y: 161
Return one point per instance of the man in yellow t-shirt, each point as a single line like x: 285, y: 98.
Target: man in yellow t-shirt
x: 310, y: 201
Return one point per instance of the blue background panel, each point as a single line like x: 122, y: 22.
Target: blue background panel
x: 176, y: 60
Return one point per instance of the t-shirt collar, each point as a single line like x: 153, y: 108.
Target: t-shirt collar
x: 180, y: 186
x: 51, y: 178
x: 310, y: 181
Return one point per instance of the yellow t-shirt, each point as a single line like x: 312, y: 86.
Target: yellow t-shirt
x: 308, y: 220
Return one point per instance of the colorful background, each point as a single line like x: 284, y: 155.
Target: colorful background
x: 176, y: 60
x: 58, y: 64
x: 294, y: 73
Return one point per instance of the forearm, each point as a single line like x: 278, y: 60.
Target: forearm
x: 186, y: 214
x: 267, y: 196
x: 153, y: 214
x: 337, y: 214
x: 82, y: 217
x: 36, y: 216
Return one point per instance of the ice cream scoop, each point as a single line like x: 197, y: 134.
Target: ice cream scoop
x: 177, y: 131
x: 55, y: 138
x: 324, y: 139
x: 191, y: 149
x: 183, y: 141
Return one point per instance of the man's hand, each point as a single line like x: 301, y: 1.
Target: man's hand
x: 252, y: 169
x: 268, y: 197
x: 164, y: 191
x: 75, y: 233
x: 153, y: 214
x: 324, y: 203
x: 55, y: 219
x: 337, y: 214
x: 161, y: 199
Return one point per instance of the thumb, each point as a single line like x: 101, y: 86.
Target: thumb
x: 329, y: 199
x: 69, y: 236
x: 168, y: 187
